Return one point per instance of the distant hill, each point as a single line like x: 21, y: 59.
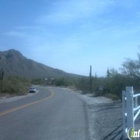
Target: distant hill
x: 14, y: 63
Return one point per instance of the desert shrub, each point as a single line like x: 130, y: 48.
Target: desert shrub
x: 61, y: 82
x: 65, y: 81
x: 15, y: 85
x: 38, y: 81
x: 112, y: 86
x: 83, y: 84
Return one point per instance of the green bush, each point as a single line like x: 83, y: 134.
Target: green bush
x: 15, y: 85
x: 65, y: 81
x: 38, y: 81
x: 112, y: 85
x: 61, y: 82
x: 83, y: 84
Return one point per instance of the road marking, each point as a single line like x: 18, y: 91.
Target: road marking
x: 26, y: 105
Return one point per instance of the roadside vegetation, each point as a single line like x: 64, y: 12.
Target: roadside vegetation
x: 110, y: 86
x: 14, y: 85
x: 37, y: 81
x: 114, y: 82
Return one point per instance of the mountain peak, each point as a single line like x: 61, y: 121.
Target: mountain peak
x: 12, y: 53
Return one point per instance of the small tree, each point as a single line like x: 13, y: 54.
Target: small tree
x: 132, y: 67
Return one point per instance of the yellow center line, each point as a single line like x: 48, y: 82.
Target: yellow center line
x: 26, y: 105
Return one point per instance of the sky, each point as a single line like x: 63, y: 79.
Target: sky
x: 71, y: 35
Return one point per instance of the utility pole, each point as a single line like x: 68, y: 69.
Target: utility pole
x: 90, y: 79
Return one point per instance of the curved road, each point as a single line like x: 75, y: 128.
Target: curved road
x: 51, y: 114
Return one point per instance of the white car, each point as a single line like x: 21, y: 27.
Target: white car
x: 32, y: 90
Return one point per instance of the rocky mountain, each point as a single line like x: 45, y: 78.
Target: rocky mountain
x: 14, y: 63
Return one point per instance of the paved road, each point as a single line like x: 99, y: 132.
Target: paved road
x: 51, y: 114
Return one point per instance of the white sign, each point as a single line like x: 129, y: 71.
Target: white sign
x: 100, y: 87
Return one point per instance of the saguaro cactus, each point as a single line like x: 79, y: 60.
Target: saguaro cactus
x: 108, y: 73
x: 90, y: 79
x: 2, y: 74
x: 1, y: 77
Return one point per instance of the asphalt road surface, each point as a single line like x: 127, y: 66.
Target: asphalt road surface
x: 51, y: 114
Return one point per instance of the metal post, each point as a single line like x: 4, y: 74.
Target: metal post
x: 129, y: 107
x: 124, y: 114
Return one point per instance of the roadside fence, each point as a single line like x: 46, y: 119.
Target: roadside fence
x: 130, y: 110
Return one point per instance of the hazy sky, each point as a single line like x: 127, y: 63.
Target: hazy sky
x: 71, y: 35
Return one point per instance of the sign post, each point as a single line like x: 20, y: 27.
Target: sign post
x: 101, y: 89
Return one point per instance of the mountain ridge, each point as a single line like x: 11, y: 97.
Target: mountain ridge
x: 14, y: 63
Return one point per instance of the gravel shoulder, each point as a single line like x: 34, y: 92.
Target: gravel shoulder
x: 104, y: 116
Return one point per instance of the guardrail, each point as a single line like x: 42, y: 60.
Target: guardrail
x: 130, y: 109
